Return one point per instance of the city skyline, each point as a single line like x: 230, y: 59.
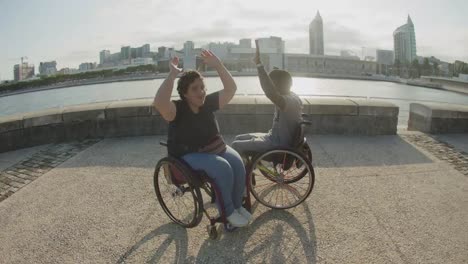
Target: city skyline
x: 95, y: 27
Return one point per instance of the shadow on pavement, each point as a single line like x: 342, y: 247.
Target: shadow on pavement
x: 153, y: 246
x: 275, y: 236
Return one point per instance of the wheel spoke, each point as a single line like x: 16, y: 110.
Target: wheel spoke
x: 280, y: 187
x: 177, y: 197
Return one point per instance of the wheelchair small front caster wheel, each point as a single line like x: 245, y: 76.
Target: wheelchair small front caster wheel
x: 230, y: 228
x: 212, y: 232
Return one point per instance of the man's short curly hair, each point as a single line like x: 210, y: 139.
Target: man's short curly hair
x: 185, y: 80
x: 282, y: 80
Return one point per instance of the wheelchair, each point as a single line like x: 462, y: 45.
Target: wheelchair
x: 279, y: 178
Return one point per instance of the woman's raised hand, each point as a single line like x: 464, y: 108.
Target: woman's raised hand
x: 210, y: 59
x: 173, y: 66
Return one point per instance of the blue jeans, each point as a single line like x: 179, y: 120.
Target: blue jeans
x: 228, y: 172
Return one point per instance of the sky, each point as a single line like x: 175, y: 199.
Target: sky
x: 72, y: 32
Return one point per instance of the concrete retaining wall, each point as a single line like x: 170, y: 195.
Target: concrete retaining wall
x: 138, y: 118
x: 438, y: 118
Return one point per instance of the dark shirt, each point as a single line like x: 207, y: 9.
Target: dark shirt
x: 190, y: 131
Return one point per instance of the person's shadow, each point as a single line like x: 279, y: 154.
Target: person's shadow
x: 145, y: 251
x: 275, y: 236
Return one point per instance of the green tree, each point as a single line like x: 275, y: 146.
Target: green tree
x: 426, y: 67
x: 397, y: 65
x: 49, y: 80
x: 436, y: 68
x: 415, y: 69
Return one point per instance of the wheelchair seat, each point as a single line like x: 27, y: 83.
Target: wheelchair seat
x: 296, y: 144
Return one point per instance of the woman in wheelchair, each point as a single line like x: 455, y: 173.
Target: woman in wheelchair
x: 194, y: 135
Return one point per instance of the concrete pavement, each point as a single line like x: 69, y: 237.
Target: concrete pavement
x: 381, y: 199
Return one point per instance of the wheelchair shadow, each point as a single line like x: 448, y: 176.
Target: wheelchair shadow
x: 275, y: 236
x: 152, y: 248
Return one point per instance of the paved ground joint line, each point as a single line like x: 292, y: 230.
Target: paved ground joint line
x: 22, y: 173
x: 441, y: 150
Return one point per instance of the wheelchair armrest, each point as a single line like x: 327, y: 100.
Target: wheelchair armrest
x: 163, y: 143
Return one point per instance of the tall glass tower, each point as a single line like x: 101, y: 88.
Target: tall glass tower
x: 316, y: 36
x: 404, y: 42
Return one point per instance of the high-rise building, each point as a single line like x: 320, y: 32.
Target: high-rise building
x: 104, y: 57
x: 162, y: 52
x: 189, y: 57
x: 115, y: 58
x: 145, y: 50
x: 316, y: 46
x: 245, y: 43
x: 48, y: 68
x: 272, y: 49
x: 23, y: 71
x: 271, y: 45
x: 140, y: 52
x: 86, y: 66
x: 404, y: 40
x: 220, y: 49
x: 189, y: 46
x: 125, y: 53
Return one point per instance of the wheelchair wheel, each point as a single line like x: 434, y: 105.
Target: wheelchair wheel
x: 177, y: 193
x: 295, y: 166
x: 276, y: 187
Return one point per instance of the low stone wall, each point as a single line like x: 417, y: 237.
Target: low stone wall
x: 138, y: 118
x: 438, y: 118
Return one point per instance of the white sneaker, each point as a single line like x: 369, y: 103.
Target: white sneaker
x: 242, y: 211
x: 237, y: 220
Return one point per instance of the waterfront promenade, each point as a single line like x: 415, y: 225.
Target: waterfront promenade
x: 377, y: 199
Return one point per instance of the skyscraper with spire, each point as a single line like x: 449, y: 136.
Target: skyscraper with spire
x: 316, y: 36
x: 404, y: 42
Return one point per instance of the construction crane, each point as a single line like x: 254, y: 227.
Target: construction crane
x: 20, y: 58
x: 20, y: 65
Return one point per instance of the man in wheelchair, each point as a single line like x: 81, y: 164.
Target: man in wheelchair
x: 287, y: 116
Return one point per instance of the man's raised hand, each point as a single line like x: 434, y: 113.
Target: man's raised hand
x: 257, y: 53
